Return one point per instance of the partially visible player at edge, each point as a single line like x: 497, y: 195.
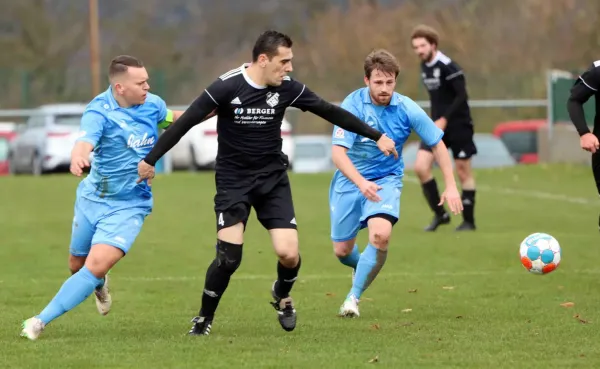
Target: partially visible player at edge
x: 120, y: 125
x: 365, y: 190
x: 445, y: 82
x: 251, y: 169
x: 586, y: 86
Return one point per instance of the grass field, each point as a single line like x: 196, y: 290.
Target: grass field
x: 475, y: 306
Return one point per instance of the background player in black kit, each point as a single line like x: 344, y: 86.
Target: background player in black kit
x: 446, y: 85
x: 250, y: 102
x: 585, y: 86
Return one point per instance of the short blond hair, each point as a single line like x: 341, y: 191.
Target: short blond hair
x: 381, y: 60
x: 426, y: 32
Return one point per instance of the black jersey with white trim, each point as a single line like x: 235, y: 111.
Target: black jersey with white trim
x: 586, y: 86
x: 445, y: 82
x: 249, y: 120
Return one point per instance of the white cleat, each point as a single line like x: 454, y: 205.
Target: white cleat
x: 350, y: 307
x: 32, y: 328
x: 103, y: 299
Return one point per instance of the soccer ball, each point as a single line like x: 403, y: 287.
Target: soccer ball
x: 540, y: 253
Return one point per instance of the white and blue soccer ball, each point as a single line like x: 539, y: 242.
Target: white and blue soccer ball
x: 540, y: 253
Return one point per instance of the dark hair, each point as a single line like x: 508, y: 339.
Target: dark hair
x: 268, y: 43
x: 381, y: 60
x: 426, y: 32
x: 121, y: 63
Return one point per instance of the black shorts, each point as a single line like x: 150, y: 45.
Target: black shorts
x: 460, y: 141
x: 270, y: 194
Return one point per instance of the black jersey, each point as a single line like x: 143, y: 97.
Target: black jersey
x: 249, y: 119
x: 586, y: 86
x: 445, y: 82
x: 249, y: 122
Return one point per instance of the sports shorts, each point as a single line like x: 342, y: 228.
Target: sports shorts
x: 116, y: 223
x: 270, y: 194
x: 459, y: 140
x: 350, y: 210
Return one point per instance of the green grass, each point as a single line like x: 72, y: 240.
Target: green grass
x: 496, y: 315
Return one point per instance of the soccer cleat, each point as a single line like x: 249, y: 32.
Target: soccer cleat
x: 465, y: 226
x: 350, y: 307
x: 286, y: 313
x: 32, y: 328
x: 201, y: 327
x: 103, y: 298
x: 438, y: 221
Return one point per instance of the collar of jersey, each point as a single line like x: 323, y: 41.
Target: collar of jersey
x: 112, y: 103
x: 366, y: 97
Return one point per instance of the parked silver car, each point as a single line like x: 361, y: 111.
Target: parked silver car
x: 312, y: 154
x: 45, y: 142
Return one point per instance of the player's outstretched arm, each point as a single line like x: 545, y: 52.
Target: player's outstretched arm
x: 432, y: 135
x: 346, y: 120
x: 173, y: 116
x: 309, y: 101
x: 197, y: 112
x: 339, y: 156
x: 450, y: 195
x: 585, y: 87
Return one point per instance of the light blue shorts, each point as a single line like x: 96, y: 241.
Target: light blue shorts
x: 350, y: 209
x: 116, y: 223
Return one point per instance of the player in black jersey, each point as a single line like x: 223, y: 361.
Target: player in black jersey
x: 250, y: 103
x: 586, y: 86
x: 445, y: 82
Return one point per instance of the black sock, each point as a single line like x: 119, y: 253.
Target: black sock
x: 218, y: 275
x: 286, y: 278
x: 468, y: 200
x: 430, y: 190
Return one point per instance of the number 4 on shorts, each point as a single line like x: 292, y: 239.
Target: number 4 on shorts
x: 221, y: 221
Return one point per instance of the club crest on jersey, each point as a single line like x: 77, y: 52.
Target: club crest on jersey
x: 339, y: 133
x: 272, y: 99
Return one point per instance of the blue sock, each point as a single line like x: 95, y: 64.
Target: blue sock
x: 351, y: 259
x: 101, y: 283
x: 370, y: 263
x: 72, y: 293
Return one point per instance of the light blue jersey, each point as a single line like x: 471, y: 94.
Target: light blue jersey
x: 349, y: 208
x: 110, y: 206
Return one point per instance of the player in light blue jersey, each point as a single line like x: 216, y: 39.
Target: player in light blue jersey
x: 120, y: 126
x: 365, y: 190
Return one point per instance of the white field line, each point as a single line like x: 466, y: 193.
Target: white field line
x: 320, y: 277
x: 527, y: 193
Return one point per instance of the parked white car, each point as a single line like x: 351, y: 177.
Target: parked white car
x: 45, y: 142
x: 198, y: 148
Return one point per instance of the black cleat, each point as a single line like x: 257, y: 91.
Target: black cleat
x: 466, y: 226
x: 285, y: 311
x: 201, y: 326
x: 438, y: 221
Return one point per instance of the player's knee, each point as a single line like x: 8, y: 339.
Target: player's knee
x: 380, y: 239
x: 285, y: 242
x: 102, y: 258
x: 423, y: 170
x: 229, y: 256
x: 343, y: 249
x: 76, y: 263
